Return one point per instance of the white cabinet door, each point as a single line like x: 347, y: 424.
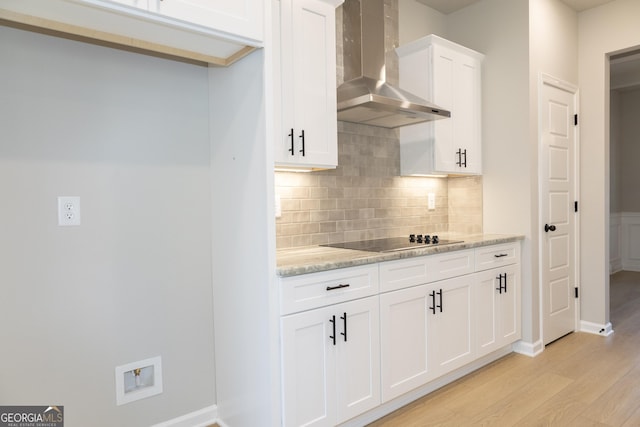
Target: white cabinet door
x: 456, y: 86
x: 404, y: 340
x: 306, y: 128
x: 450, y: 323
x: 357, y: 357
x: 236, y: 17
x: 498, y: 308
x: 308, y: 369
x: 212, y: 31
x: 448, y: 75
x: 141, y: 4
x: 331, y: 363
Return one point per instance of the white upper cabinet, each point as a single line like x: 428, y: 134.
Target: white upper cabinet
x: 212, y: 31
x: 305, y: 83
x: 449, y: 75
x: 238, y: 17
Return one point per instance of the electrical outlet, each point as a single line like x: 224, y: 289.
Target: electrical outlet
x: 431, y: 201
x: 68, y: 210
x: 278, y: 206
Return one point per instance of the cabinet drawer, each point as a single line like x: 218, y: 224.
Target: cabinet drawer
x: 314, y: 290
x: 417, y: 271
x: 403, y: 273
x: 450, y: 264
x: 496, y: 256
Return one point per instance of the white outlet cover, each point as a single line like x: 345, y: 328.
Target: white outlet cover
x: 69, y: 210
x: 431, y: 201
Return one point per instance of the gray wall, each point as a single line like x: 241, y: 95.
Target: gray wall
x: 129, y: 135
x: 615, y: 204
x: 629, y: 154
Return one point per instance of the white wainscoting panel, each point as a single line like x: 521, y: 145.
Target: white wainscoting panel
x: 615, y: 249
x: 629, y: 240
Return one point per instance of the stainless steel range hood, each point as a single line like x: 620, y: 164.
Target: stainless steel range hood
x: 365, y: 97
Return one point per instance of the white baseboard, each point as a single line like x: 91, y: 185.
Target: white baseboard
x: 596, y: 328
x: 527, y: 348
x: 201, y: 418
x: 615, y: 265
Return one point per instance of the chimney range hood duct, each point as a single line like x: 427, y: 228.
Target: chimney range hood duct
x: 365, y: 97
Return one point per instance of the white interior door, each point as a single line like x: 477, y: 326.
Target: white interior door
x: 557, y: 207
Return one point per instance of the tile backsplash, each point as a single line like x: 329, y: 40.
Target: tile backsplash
x: 364, y: 198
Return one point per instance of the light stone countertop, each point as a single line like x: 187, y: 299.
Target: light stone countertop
x: 312, y: 259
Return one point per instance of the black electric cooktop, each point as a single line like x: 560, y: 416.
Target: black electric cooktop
x: 392, y: 244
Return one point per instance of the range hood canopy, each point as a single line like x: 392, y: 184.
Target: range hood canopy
x: 365, y: 97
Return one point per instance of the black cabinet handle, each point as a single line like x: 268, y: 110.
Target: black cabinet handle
x: 500, y: 255
x: 548, y: 228
x: 433, y: 302
x: 459, y: 154
x: 333, y: 325
x: 440, y: 306
x: 340, y: 286
x: 465, y: 158
x: 344, y: 319
x: 501, y: 288
x: 291, y: 137
x: 302, y: 136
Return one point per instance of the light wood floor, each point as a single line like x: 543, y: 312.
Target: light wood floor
x: 580, y: 380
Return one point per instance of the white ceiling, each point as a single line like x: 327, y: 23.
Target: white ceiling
x: 448, y: 6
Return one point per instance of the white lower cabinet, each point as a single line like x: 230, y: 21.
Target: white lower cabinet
x: 450, y: 323
x: 430, y: 327
x: 498, y: 308
x: 357, y: 337
x: 405, y: 340
x: 426, y: 331
x: 331, y: 363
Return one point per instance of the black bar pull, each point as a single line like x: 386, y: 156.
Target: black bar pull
x: 302, y: 136
x: 499, y: 288
x: 433, y: 302
x: 465, y: 158
x: 500, y: 255
x: 459, y: 154
x: 344, y: 319
x: 340, y: 286
x: 291, y: 137
x: 333, y: 325
x: 440, y: 306
x: 505, y: 283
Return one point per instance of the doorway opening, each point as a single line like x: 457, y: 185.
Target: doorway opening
x: 624, y: 174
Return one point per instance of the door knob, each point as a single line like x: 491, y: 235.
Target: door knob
x: 548, y: 228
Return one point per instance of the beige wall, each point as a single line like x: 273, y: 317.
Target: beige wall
x: 128, y: 134
x: 418, y: 20
x: 615, y: 146
x: 609, y: 28
x: 499, y: 29
x: 520, y: 39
